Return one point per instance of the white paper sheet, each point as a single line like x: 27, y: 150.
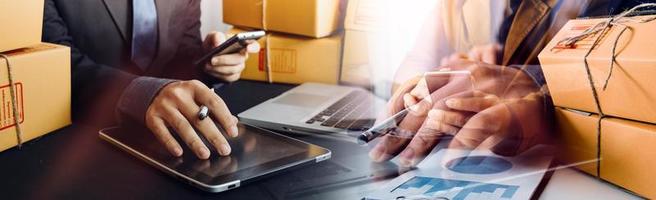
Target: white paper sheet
x: 483, y: 175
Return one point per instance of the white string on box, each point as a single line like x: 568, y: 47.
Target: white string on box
x: 12, y: 94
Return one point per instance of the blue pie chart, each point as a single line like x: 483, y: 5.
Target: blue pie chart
x: 479, y: 165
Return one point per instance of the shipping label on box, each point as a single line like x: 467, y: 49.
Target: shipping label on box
x: 21, y: 23
x: 42, y: 86
x: 7, y: 119
x: 293, y: 59
x: 629, y: 92
x: 627, y: 150
x: 281, y: 60
x: 313, y: 18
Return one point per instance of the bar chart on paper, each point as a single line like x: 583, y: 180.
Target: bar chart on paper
x: 480, y: 174
x: 427, y: 187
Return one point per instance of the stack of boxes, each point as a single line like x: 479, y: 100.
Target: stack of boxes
x: 626, y: 137
x: 303, y: 43
x: 40, y: 73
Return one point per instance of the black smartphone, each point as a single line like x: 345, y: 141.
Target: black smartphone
x: 233, y: 45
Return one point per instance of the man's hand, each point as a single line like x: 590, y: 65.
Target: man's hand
x: 457, y: 109
x: 505, y: 126
x: 227, y: 67
x: 396, y: 102
x: 177, y: 106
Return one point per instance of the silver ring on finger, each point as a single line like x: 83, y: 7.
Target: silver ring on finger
x: 203, y: 112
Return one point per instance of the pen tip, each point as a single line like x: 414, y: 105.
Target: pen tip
x: 362, y: 140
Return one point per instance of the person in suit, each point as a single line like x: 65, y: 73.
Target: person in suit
x: 509, y: 111
x: 134, y: 58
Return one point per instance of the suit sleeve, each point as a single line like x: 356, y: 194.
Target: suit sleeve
x: 96, y: 87
x: 534, y: 71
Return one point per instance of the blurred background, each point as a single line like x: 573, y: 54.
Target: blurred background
x: 212, y: 17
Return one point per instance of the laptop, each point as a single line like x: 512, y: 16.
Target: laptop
x: 317, y: 108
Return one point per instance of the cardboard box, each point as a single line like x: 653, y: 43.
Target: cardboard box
x: 355, y: 59
x: 42, y: 79
x: 21, y: 22
x: 630, y: 92
x: 362, y: 24
x: 365, y: 15
x: 359, y: 57
x: 313, y: 18
x: 294, y: 59
x: 628, y: 150
x: 577, y: 137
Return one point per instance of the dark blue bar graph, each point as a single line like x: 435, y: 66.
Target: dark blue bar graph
x: 455, y: 189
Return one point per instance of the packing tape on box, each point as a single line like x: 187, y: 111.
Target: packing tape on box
x: 12, y: 95
x: 599, y: 29
x: 267, y: 50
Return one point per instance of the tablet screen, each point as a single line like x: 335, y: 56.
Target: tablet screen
x: 254, y: 151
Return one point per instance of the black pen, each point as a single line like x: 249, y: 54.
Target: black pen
x: 383, y: 128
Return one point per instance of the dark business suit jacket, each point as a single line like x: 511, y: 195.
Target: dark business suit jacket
x: 105, y: 80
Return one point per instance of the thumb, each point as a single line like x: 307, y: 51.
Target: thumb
x: 396, y: 102
x: 253, y: 47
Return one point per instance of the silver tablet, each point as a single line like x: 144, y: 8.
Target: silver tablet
x: 255, y: 154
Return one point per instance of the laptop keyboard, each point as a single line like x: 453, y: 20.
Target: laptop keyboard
x: 350, y: 112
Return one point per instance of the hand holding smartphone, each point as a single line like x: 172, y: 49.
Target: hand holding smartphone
x: 233, y: 45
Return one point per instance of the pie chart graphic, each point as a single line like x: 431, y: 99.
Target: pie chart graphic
x: 479, y: 165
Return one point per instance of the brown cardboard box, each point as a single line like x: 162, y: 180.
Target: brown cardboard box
x: 294, y: 59
x: 577, y: 135
x: 313, y: 18
x: 42, y: 79
x: 630, y: 93
x: 628, y: 149
x: 362, y: 24
x: 21, y: 23
x: 355, y: 59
